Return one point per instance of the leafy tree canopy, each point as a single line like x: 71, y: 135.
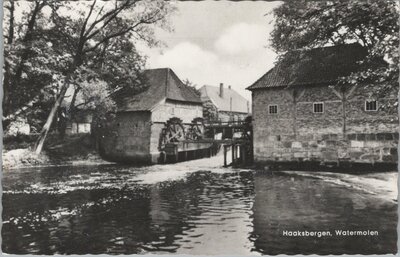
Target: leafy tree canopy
x: 302, y: 24
x: 52, y: 46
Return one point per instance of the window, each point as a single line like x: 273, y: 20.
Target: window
x: 273, y: 109
x: 371, y: 105
x: 318, y: 107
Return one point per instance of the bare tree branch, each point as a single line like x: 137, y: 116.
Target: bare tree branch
x: 87, y: 19
x: 107, y: 18
x: 150, y: 20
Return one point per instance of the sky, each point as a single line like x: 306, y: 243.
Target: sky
x: 217, y: 42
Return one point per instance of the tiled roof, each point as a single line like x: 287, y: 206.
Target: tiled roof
x: 239, y: 103
x: 311, y: 67
x: 162, y: 84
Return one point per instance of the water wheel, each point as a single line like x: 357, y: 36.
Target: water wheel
x: 173, y: 131
x: 196, y: 130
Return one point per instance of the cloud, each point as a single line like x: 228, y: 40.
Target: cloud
x: 242, y: 38
x: 191, y: 61
x: 204, y: 67
x: 187, y: 55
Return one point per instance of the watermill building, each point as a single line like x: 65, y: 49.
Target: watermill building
x: 135, y: 134
x: 301, y: 114
x: 228, y: 104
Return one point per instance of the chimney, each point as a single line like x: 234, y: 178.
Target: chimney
x: 221, y: 90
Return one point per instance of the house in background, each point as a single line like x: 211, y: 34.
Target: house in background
x: 134, y: 135
x: 81, y: 122
x: 229, y: 104
x: 301, y: 114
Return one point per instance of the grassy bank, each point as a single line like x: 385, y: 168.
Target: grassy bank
x: 78, y: 149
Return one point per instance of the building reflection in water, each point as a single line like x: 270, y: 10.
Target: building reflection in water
x: 297, y: 203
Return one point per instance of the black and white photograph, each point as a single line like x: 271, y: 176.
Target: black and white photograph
x: 200, y: 127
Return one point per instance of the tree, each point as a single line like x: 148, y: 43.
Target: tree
x: 26, y: 66
x: 210, y: 112
x: 96, y: 26
x: 115, y: 71
x: 191, y: 86
x: 301, y: 24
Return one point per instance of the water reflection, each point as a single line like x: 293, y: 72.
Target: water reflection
x: 286, y: 202
x: 185, y: 208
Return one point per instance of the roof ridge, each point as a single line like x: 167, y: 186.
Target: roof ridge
x: 165, y: 68
x: 228, y: 87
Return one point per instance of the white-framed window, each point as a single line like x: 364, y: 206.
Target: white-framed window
x: 371, y: 105
x: 318, y: 107
x: 172, y: 110
x: 273, y: 109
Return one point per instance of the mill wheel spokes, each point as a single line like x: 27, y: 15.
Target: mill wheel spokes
x: 196, y: 130
x: 174, y: 131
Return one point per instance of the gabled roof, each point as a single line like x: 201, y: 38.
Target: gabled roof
x: 162, y: 84
x: 212, y: 93
x: 315, y: 66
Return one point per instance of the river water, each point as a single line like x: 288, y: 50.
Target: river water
x: 194, y: 207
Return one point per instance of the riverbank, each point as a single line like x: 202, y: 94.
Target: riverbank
x: 72, y: 150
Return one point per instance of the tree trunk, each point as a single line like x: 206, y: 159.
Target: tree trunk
x: 7, y: 70
x: 43, y: 134
x: 72, y: 110
x: 11, y: 27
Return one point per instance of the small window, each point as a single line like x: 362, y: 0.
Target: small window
x: 371, y: 105
x: 318, y: 107
x: 273, y: 109
x: 172, y: 111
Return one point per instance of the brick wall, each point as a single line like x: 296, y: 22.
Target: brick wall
x: 297, y: 133
x: 360, y: 121
x: 128, y: 137
x: 155, y: 141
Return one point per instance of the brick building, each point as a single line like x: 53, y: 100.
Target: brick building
x: 301, y: 114
x: 134, y: 135
x: 228, y: 104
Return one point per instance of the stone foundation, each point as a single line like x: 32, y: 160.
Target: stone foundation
x: 329, y: 148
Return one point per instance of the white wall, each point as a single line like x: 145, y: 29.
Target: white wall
x: 184, y: 111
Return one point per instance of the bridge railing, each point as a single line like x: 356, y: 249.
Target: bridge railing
x: 224, y: 123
